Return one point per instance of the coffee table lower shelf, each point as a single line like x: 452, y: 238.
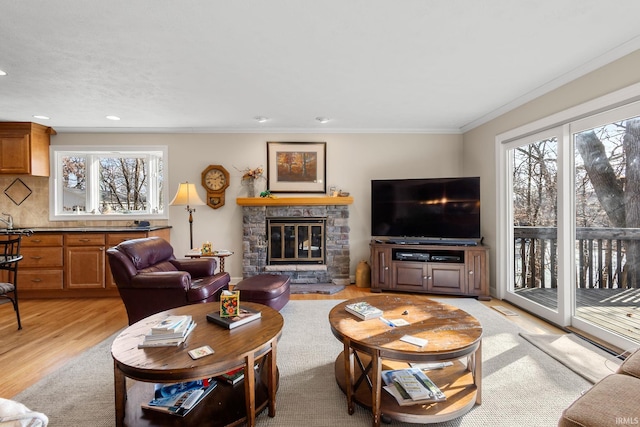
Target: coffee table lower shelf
x: 224, y: 406
x: 455, y: 381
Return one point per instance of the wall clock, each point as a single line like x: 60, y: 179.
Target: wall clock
x: 215, y: 179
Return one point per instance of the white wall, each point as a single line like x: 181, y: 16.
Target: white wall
x: 479, y: 143
x: 352, y: 161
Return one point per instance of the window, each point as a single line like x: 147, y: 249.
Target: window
x: 107, y: 182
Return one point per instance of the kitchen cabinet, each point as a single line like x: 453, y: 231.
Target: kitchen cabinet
x: 61, y: 264
x: 24, y: 148
x: 42, y: 262
x: 84, y: 260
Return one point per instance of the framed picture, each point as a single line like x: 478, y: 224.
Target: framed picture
x: 296, y: 167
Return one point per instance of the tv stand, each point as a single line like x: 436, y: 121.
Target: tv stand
x: 430, y: 268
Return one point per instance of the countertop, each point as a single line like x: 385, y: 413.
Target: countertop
x: 86, y: 229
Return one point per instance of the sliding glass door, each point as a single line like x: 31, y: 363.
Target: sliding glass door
x: 569, y: 224
x: 533, y: 208
x: 607, y: 224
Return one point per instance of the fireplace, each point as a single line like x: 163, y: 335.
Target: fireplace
x: 295, y: 241
x: 308, y: 243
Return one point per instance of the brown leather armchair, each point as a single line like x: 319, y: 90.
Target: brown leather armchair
x: 150, y: 279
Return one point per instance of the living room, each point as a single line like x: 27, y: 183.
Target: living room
x: 354, y: 157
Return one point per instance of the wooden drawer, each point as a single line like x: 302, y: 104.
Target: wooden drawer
x: 117, y: 238
x: 41, y: 257
x: 84, y: 239
x: 39, y: 279
x: 42, y: 240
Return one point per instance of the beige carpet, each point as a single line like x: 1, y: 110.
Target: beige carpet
x: 582, y: 357
x: 522, y: 386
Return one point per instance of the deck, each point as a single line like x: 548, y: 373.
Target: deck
x: 617, y: 310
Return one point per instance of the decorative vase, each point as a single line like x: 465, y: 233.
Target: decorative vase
x: 363, y: 275
x: 251, y: 187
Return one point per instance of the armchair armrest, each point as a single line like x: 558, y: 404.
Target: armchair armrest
x: 162, y: 279
x: 198, y: 267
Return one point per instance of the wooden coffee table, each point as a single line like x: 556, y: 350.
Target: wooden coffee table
x: 452, y: 334
x: 245, y: 346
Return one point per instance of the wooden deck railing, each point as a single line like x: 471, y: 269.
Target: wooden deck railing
x: 600, y: 263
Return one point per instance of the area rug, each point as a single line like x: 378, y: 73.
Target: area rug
x: 522, y: 386
x: 314, y: 288
x: 577, y: 354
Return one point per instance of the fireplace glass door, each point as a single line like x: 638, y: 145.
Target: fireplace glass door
x: 296, y: 241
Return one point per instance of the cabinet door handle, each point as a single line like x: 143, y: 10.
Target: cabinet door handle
x: 36, y: 257
x: 85, y: 240
x: 36, y: 280
x: 471, y: 272
x: 386, y: 268
x: 36, y: 240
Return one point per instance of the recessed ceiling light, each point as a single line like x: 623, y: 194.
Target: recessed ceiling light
x: 3, y: 73
x: 113, y: 117
x: 38, y: 116
x: 323, y: 120
x: 261, y: 119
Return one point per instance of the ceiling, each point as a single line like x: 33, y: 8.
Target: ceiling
x: 367, y: 65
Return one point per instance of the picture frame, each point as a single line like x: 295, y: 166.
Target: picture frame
x: 297, y: 167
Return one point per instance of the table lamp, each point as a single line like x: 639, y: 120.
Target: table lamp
x: 188, y: 196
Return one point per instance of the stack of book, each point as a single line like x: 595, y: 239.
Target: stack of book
x: 363, y: 310
x: 180, y: 398
x: 245, y: 315
x: 234, y: 376
x: 171, y: 332
x: 411, y: 387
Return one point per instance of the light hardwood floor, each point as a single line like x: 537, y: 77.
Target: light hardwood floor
x: 56, y: 330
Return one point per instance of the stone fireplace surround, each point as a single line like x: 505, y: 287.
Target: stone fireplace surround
x: 255, y: 212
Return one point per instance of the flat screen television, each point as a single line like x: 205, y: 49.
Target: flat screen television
x: 431, y: 210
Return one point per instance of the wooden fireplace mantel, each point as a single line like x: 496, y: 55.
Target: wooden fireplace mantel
x: 294, y: 201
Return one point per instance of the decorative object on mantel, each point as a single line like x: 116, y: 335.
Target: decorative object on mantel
x: 267, y: 193
x: 188, y: 196
x: 249, y: 178
x: 296, y: 167
x: 18, y: 191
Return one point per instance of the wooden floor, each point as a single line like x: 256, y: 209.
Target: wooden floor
x: 616, y: 310
x: 56, y: 330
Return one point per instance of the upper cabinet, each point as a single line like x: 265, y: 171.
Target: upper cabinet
x: 24, y: 148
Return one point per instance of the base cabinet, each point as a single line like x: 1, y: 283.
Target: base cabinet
x: 71, y: 264
x: 454, y: 270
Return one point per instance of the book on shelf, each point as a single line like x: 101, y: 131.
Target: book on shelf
x: 234, y: 376
x: 363, y: 310
x: 170, y: 324
x: 431, y: 366
x: 411, y: 387
x: 160, y: 340
x: 180, y: 398
x: 245, y: 316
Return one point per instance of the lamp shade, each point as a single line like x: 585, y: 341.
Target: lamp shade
x: 187, y: 196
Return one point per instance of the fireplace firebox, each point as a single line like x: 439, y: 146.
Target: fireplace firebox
x: 295, y: 241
